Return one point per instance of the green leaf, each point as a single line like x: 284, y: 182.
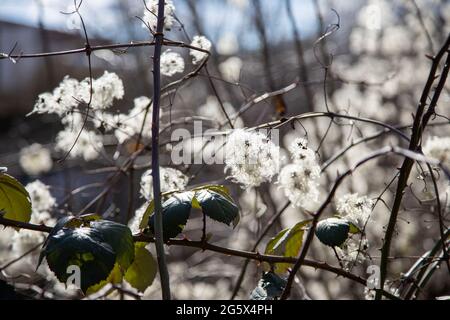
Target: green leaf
x: 270, y: 287
x: 14, y: 199
x: 220, y: 189
x: 142, y: 271
x: 150, y: 209
x: 114, y: 277
x: 70, y: 222
x: 95, y: 246
x: 61, y: 223
x: 287, y: 243
x: 120, y: 238
x: 83, y: 247
x: 333, y: 231
x: 175, y: 213
x: 218, y: 206
x: 354, y: 228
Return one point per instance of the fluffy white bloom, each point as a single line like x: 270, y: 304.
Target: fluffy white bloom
x: 140, y: 104
x: 227, y: 44
x: 42, y: 203
x: 129, y: 125
x: 40, y: 196
x: 211, y: 109
x: 171, y: 179
x: 150, y: 15
x: 134, y: 223
x: 231, y: 69
x: 353, y: 251
x: 171, y: 63
x: 63, y: 98
x: 24, y: 240
x: 439, y: 149
x: 251, y: 158
x: 355, y: 208
x: 300, y: 152
x: 45, y: 103
x: 104, y: 90
x: 105, y: 121
x: 126, y: 125
x: 70, y: 93
x: 202, y: 43
x: 73, y: 119
x: 66, y: 93
x: 35, y: 159
x: 88, y: 145
x: 299, y: 182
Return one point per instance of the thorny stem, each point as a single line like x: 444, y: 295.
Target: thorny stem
x: 378, y: 153
x: 269, y: 225
x: 159, y: 244
x: 203, y: 245
x: 419, y: 125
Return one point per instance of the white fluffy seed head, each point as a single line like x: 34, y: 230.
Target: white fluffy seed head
x: 171, y: 179
x: 151, y: 13
x: 251, y: 158
x: 438, y: 148
x: 130, y: 124
x: 35, y: 159
x: 202, y: 43
x: 70, y: 93
x: 171, y: 63
x: 87, y: 144
x: 355, y: 208
x: 299, y: 182
x: 104, y: 90
x: 231, y: 69
x: 300, y: 152
x: 300, y: 179
x: 41, y: 199
x: 61, y: 100
x: 134, y: 223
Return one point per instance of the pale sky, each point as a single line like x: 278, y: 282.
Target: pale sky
x: 101, y: 16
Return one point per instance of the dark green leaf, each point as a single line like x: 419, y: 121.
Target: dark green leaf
x: 270, y: 287
x: 71, y: 222
x: 142, y: 271
x: 114, y: 277
x: 217, y: 206
x: 14, y: 199
x: 61, y: 223
x: 333, y: 231
x: 119, y: 237
x: 95, y: 246
x: 175, y: 213
x: 83, y: 247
